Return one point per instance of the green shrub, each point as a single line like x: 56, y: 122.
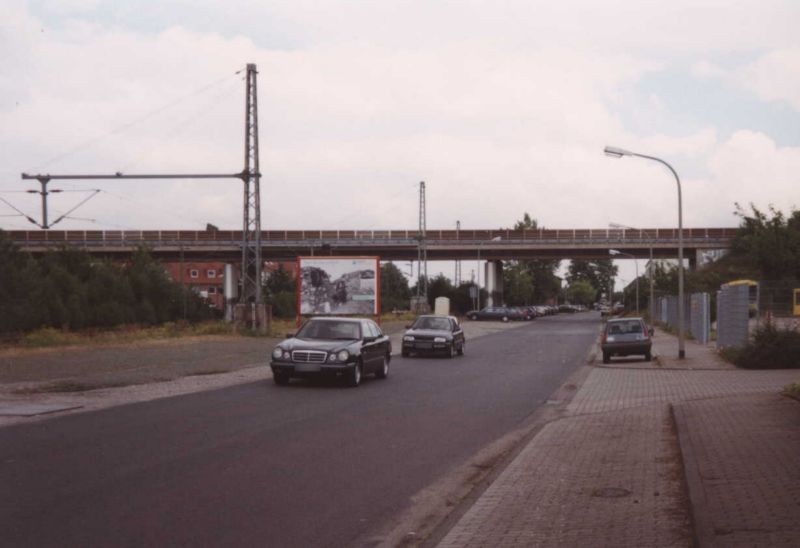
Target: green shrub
x: 771, y: 348
x: 45, y: 337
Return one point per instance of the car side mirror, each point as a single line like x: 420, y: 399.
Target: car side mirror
x: 289, y: 335
x: 408, y: 326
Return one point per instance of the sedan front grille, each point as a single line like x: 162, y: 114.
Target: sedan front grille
x: 309, y: 356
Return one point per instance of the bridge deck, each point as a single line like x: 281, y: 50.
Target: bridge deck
x: 389, y: 244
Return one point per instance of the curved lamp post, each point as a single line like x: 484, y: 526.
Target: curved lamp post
x: 616, y: 152
x: 613, y: 252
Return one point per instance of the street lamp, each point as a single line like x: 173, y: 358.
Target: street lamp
x: 616, y: 152
x: 650, y: 265
x: 613, y: 252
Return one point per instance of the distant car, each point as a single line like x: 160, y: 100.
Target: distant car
x: 434, y: 335
x: 525, y: 312
x: 337, y: 347
x: 502, y: 313
x: 626, y: 336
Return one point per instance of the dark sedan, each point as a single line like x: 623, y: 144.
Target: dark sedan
x: 502, y: 313
x: 434, y: 335
x: 626, y: 336
x: 339, y: 347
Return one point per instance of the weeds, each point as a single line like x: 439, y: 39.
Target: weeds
x: 771, y: 348
x: 50, y: 337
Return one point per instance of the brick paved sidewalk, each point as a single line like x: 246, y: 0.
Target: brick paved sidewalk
x: 614, y: 471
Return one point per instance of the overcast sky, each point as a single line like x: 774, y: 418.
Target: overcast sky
x: 501, y: 107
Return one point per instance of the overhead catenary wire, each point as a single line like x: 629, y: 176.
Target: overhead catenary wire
x: 199, y: 115
x: 124, y: 127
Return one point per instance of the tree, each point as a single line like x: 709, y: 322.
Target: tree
x: 597, y: 272
x: 581, y: 292
x: 395, y: 294
x: 771, y: 242
x: 280, y: 292
x: 545, y: 283
x: 69, y: 289
x: 440, y: 286
x: 518, y: 284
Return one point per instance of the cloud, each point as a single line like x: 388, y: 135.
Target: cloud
x: 500, y: 111
x: 774, y: 76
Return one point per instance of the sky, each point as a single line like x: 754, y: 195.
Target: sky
x: 500, y: 107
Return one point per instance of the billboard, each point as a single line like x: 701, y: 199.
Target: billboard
x: 338, y: 285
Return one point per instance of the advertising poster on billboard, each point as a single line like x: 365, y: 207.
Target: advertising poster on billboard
x: 338, y: 285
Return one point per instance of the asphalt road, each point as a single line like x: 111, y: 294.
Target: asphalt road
x: 311, y: 464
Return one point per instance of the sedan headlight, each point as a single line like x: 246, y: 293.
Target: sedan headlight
x: 408, y: 338
x: 343, y: 355
x: 439, y: 340
x: 277, y: 353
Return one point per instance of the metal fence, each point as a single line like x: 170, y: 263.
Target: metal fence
x: 696, y: 314
x: 776, y: 298
x: 700, y: 317
x: 733, y: 307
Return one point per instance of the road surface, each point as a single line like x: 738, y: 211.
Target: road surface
x: 311, y: 464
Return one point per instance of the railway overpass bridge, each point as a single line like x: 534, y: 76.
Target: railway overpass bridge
x: 463, y: 244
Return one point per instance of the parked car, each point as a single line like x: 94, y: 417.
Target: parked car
x: 433, y: 334
x: 525, y: 312
x: 502, y: 313
x: 339, y: 347
x: 626, y: 336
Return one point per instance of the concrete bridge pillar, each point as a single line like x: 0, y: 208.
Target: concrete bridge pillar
x: 494, y: 282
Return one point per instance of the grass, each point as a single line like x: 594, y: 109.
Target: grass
x: 792, y: 390
x: 49, y: 337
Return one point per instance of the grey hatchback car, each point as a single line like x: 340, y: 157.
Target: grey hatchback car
x: 626, y: 336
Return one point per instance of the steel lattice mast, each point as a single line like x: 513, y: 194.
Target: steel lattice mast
x: 250, y: 175
x: 251, y: 228
x: 422, y: 250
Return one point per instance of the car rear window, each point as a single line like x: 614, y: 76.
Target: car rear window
x: 432, y: 323
x: 624, y: 327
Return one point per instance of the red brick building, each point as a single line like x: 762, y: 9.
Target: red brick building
x: 207, y: 279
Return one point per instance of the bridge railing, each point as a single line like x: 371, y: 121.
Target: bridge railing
x: 127, y: 237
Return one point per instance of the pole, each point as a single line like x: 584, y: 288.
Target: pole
x: 616, y: 152
x: 44, y: 204
x: 183, y: 287
x: 652, y: 297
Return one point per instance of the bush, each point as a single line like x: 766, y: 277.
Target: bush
x: 771, y: 348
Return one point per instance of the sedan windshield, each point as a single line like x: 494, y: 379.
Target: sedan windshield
x: 624, y: 327
x: 330, y: 330
x: 441, y: 324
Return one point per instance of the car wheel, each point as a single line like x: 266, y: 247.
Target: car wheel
x: 281, y: 379
x: 473, y: 317
x: 606, y: 357
x: 461, y: 349
x: 648, y: 357
x: 383, y: 372
x: 404, y: 353
x: 505, y: 318
x: 355, y: 376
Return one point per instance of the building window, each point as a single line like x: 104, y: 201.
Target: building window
x: 211, y: 273
x: 212, y: 290
x: 194, y: 273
